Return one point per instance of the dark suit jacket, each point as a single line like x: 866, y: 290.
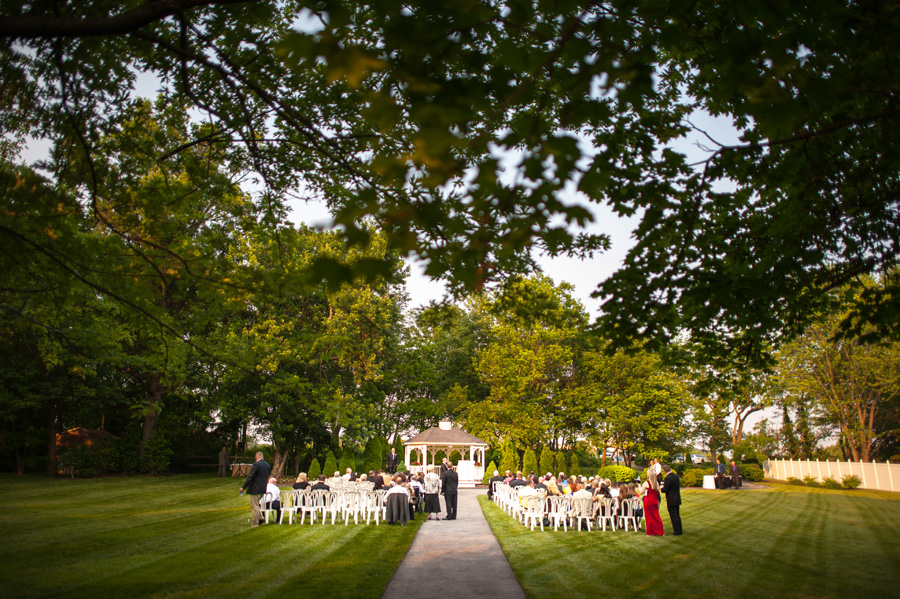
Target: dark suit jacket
x: 258, y: 478
x: 320, y: 486
x: 672, y: 488
x: 516, y: 482
x: 393, y: 460
x: 449, y: 482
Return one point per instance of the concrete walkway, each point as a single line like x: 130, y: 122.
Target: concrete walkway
x: 455, y: 558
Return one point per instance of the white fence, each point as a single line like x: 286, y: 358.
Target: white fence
x: 883, y: 477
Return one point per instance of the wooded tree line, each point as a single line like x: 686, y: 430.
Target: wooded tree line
x: 150, y: 250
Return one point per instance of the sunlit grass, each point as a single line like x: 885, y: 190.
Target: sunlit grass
x: 785, y: 541
x: 180, y: 536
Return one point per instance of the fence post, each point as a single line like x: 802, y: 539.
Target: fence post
x: 875, y: 468
x: 839, y: 469
x: 862, y: 473
x: 890, y: 474
x: 819, y: 468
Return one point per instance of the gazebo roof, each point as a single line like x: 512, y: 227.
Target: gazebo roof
x: 438, y: 436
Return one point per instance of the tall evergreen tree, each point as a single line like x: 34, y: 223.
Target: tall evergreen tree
x: 546, y: 463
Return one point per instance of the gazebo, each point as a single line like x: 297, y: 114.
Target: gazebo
x: 423, y: 447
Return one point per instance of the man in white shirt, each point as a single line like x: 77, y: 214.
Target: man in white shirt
x: 273, y: 490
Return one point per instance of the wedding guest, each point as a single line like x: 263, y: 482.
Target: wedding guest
x: 301, y: 483
x: 432, y: 503
x: 650, y: 491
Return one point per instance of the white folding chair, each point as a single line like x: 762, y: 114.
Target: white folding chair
x: 558, y: 511
x: 265, y: 504
x: 288, y: 505
x: 606, y: 513
x: 582, y: 511
x: 350, y: 507
x: 372, y: 506
x: 627, y: 514
x: 328, y: 504
x: 308, y: 503
x: 533, y: 511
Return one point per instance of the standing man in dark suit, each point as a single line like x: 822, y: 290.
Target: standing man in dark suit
x: 256, y: 486
x: 223, y: 462
x: 671, y: 487
x: 720, y: 474
x: 450, y: 489
x: 393, y: 460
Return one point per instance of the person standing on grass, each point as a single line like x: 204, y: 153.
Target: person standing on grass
x: 672, y: 488
x: 393, y: 460
x: 720, y: 474
x: 223, y: 462
x: 450, y: 489
x: 256, y: 486
x: 735, y: 475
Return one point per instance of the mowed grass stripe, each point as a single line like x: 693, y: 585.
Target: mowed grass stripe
x: 783, y: 542
x: 182, y: 536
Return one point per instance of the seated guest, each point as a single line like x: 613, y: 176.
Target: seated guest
x: 518, y: 481
x: 377, y: 479
x: 508, y: 478
x: 363, y: 477
x: 526, y: 489
x: 495, y: 479
x: 273, y: 490
x: 552, y: 488
x: 301, y: 483
x: 320, y: 486
x: 582, y: 491
x: 614, y: 489
x: 398, y: 489
x: 540, y: 484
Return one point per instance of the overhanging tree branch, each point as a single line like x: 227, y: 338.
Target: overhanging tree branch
x: 47, y: 26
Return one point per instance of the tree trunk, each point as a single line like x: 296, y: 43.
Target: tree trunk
x: 51, y: 439
x: 278, y: 464
x: 156, y: 393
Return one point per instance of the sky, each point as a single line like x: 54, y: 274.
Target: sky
x: 583, y: 275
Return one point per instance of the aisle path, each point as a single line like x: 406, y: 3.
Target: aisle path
x: 455, y: 558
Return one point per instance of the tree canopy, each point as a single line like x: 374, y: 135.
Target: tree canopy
x: 477, y: 134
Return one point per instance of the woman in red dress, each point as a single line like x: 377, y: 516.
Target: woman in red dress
x: 650, y: 491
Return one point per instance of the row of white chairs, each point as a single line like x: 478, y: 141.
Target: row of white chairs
x: 534, y: 509
x: 340, y: 505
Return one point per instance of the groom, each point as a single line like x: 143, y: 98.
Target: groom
x: 450, y: 486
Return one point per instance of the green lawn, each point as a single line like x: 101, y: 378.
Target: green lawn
x: 785, y: 541
x: 179, y: 536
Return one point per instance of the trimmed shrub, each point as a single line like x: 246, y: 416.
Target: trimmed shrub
x: 546, y: 463
x: 574, y: 467
x: 348, y: 460
x: 314, y: 470
x: 509, y: 459
x: 455, y: 457
x: 830, y: 483
x: 157, y: 455
x: 529, y: 462
x: 850, y: 481
x: 560, y: 463
x: 81, y: 458
x: 811, y: 481
x: 622, y: 474
x: 693, y: 477
x: 331, y: 465
x: 488, y: 473
x: 372, y: 455
x: 752, y: 472
x: 792, y: 480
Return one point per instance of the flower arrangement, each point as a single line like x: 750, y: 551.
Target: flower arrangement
x: 478, y: 463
